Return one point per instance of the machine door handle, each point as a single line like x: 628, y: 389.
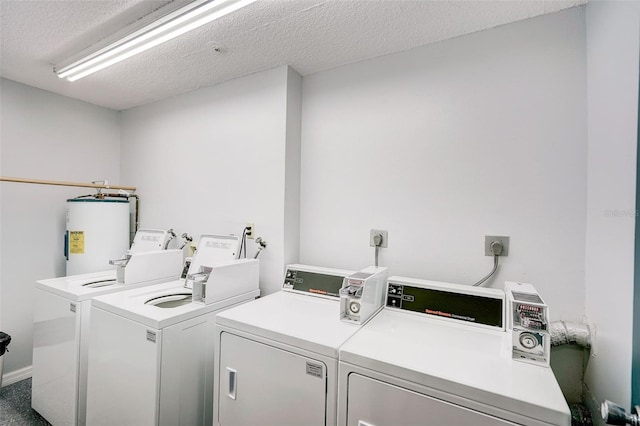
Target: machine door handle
x: 232, y: 383
x: 363, y: 423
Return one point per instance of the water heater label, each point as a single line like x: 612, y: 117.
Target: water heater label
x: 76, y: 242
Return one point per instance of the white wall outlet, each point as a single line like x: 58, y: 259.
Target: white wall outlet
x: 375, y: 232
x: 250, y: 231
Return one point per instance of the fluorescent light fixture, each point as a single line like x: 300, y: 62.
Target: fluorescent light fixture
x: 180, y: 21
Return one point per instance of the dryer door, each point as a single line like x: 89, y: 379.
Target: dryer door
x: 264, y: 385
x: 374, y: 403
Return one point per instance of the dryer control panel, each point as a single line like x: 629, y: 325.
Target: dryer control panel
x: 362, y: 294
x: 453, y: 302
x: 313, y: 280
x: 528, y: 318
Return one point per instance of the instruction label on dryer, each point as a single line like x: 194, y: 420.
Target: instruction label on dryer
x: 314, y: 369
x: 76, y: 242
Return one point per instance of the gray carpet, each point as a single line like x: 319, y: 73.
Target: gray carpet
x: 15, y: 406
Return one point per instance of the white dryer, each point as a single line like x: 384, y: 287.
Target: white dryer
x: 61, y: 325
x: 439, y: 354
x: 151, y: 357
x: 277, y: 357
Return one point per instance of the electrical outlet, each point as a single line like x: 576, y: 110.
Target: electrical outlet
x: 375, y: 232
x: 488, y: 239
x: 250, y: 231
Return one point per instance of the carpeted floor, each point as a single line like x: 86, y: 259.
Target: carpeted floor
x: 15, y: 406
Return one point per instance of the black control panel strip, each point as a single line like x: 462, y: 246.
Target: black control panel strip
x: 447, y: 304
x: 313, y: 282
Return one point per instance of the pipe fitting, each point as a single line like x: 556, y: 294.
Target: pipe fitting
x: 563, y: 333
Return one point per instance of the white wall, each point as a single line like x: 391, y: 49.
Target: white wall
x: 43, y: 136
x: 444, y: 144
x: 440, y: 145
x: 612, y: 52
x: 291, y: 215
x: 211, y: 160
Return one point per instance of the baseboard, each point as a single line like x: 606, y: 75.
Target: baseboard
x: 593, y: 405
x: 16, y: 376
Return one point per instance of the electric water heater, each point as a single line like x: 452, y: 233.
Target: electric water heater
x: 97, y: 231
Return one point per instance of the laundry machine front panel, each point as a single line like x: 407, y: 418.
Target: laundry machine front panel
x: 283, y: 388
x: 56, y: 342
x: 373, y: 402
x: 468, y: 362
x: 124, y: 367
x: 186, y: 388
x: 306, y: 322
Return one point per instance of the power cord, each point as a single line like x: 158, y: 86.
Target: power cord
x: 243, y: 242
x: 496, y: 249
x: 377, y: 241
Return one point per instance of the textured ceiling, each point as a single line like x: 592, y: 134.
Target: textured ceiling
x: 309, y: 35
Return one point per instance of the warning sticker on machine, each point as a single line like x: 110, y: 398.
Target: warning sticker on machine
x: 314, y: 369
x: 76, y: 242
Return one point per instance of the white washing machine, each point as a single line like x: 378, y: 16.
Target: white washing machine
x: 61, y: 325
x: 151, y: 357
x: 439, y: 354
x: 277, y: 357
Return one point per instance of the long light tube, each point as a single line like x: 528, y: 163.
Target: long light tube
x: 180, y: 21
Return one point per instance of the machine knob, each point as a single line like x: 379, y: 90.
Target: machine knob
x: 528, y: 340
x: 354, y: 307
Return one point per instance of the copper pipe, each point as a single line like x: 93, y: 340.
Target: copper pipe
x: 61, y: 183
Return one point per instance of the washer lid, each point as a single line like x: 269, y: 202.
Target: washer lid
x: 457, y: 359
x: 78, y: 288
x: 83, y: 286
x: 132, y: 304
x: 172, y: 300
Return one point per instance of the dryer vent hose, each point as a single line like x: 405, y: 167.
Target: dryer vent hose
x: 563, y: 333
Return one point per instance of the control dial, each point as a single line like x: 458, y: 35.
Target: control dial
x: 528, y: 340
